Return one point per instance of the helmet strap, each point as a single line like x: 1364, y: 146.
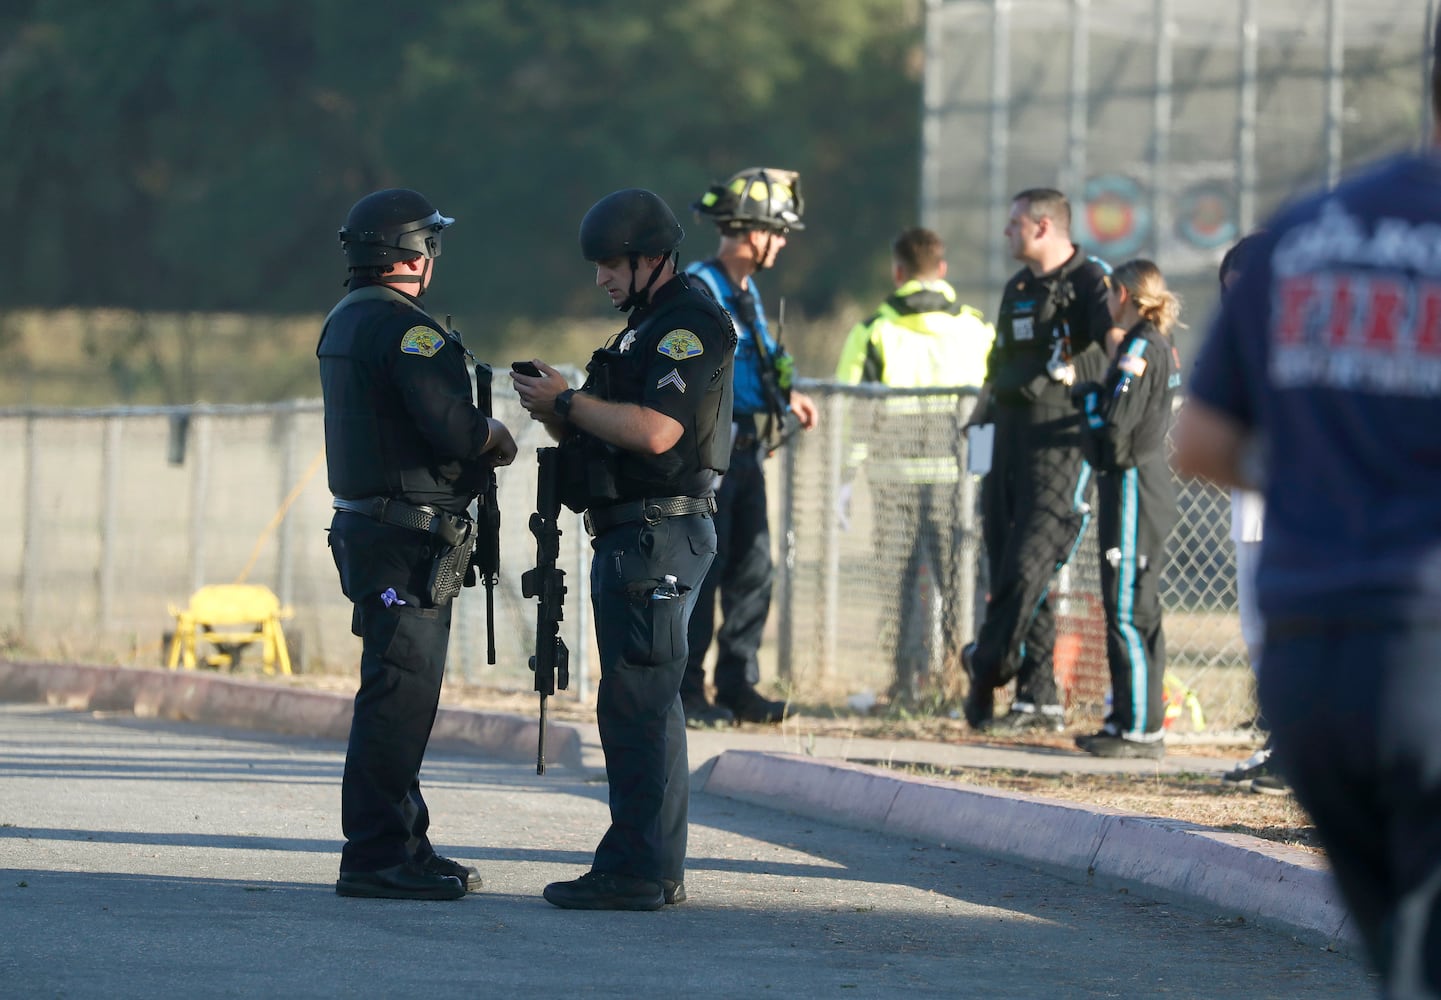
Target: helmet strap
x: 635, y: 299
x: 764, y: 256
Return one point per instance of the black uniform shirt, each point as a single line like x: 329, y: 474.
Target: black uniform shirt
x: 675, y: 357
x: 1127, y: 415
x: 1037, y: 313
x: 400, y: 420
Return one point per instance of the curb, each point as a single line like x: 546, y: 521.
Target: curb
x: 188, y: 696
x: 1258, y: 879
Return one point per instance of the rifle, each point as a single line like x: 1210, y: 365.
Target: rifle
x: 551, y: 662
x: 486, y: 558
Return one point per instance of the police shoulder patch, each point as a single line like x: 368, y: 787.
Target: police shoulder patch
x: 679, y: 345
x: 422, y: 341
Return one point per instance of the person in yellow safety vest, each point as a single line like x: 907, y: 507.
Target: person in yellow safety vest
x: 921, y: 336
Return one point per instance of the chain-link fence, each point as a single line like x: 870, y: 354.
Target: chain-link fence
x: 1174, y: 126
x: 870, y: 600
x: 120, y: 513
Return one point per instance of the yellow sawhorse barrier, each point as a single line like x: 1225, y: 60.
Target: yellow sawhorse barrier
x: 229, y: 617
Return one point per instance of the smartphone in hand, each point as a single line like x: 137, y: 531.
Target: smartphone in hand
x: 525, y: 368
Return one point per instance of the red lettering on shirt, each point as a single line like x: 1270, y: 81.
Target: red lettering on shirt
x: 1297, y: 295
x: 1382, y: 310
x: 1428, y: 319
x: 1343, y: 309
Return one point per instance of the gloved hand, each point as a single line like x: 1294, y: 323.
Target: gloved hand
x: 843, y: 506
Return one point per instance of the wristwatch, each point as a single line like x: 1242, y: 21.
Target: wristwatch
x: 562, y: 404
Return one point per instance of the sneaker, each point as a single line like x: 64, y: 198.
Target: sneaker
x: 1255, y: 766
x: 1048, y: 719
x: 469, y: 875
x: 701, y: 714
x: 1104, y: 744
x: 1270, y: 784
x: 606, y: 891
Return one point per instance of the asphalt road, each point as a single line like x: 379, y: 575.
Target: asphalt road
x: 142, y: 858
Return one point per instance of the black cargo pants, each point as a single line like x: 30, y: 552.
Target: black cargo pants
x: 1034, y: 511
x: 642, y: 644
x: 402, y: 664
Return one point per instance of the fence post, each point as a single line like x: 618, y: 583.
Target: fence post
x: 1161, y: 125
x: 199, y: 495
x: 1335, y: 91
x: 109, y: 502
x: 30, y: 556
x: 785, y: 659
x: 285, y: 531
x: 969, y: 568
x: 999, y: 148
x: 831, y: 534
x: 1077, y: 98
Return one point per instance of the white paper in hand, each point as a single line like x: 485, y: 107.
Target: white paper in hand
x: 980, y: 439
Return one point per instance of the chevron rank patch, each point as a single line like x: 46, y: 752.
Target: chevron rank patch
x: 421, y: 340
x: 679, y: 345
x: 672, y: 379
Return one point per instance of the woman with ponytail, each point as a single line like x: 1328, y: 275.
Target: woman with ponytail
x: 1125, y: 419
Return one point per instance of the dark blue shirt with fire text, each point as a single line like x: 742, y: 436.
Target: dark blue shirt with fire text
x: 1328, y: 349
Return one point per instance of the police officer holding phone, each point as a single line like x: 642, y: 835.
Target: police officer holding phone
x: 407, y: 451
x: 641, y: 442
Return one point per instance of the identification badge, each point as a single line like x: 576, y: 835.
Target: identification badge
x: 1023, y: 328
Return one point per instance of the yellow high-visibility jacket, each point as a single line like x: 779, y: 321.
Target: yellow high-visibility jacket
x: 922, y: 335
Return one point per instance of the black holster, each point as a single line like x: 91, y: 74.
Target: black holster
x: 448, y: 570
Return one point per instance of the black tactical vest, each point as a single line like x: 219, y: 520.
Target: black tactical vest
x: 372, y: 444
x: 601, y: 473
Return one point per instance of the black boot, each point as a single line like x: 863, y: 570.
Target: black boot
x: 605, y: 891
x: 404, y: 881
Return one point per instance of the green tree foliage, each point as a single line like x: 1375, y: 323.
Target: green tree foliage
x: 201, y: 154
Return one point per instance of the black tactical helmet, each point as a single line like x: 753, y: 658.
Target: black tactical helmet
x: 755, y: 198
x: 389, y: 226
x: 630, y: 221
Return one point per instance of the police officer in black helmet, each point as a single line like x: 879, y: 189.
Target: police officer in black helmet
x: 407, y: 452
x: 643, y: 438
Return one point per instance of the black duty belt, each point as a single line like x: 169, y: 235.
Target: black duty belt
x: 599, y: 519
x: 449, y: 528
